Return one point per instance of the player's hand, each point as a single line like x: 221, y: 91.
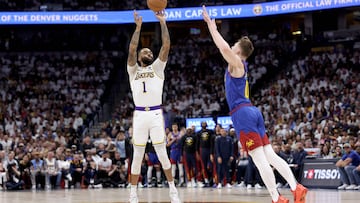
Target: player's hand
x: 137, y: 19
x: 160, y: 15
x: 211, y: 22
x: 205, y: 14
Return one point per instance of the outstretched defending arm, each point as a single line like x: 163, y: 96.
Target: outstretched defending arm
x: 233, y: 59
x: 132, y: 58
x: 165, y: 37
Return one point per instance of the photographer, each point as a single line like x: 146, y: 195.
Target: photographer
x: 24, y: 167
x: 14, y: 178
x: 118, y: 174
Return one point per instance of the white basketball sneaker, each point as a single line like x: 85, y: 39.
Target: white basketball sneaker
x: 133, y: 198
x: 174, y: 196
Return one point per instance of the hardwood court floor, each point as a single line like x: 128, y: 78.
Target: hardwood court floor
x: 160, y: 195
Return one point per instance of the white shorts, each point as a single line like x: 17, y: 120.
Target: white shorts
x: 147, y: 123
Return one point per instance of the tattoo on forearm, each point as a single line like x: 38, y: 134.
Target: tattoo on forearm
x: 165, y: 34
x: 135, y: 38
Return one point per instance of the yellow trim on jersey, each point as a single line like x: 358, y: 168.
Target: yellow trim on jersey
x: 247, y: 89
x: 140, y: 145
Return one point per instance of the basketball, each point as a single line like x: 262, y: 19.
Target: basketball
x: 156, y: 5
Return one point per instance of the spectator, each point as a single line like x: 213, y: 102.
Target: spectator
x: 346, y: 165
x: 90, y: 172
x: 52, y: 172
x: 87, y: 145
x: 24, y: 168
x: 118, y: 174
x: 104, y: 167
x: 123, y: 146
x: 76, y: 171
x: 37, y: 172
x: 356, y: 171
x: 299, y: 157
x: 14, y: 181
x: 64, y: 167
x: 2, y: 175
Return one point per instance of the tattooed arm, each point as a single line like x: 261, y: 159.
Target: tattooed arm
x: 165, y: 37
x: 132, y: 58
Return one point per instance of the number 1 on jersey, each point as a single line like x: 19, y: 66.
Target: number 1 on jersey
x: 144, y: 87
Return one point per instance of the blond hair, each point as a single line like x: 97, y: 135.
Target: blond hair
x: 246, y: 46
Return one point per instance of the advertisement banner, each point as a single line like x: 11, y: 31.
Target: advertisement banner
x: 197, y: 123
x: 224, y: 121
x: 320, y: 175
x: 173, y: 14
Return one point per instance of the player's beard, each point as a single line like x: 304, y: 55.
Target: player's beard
x: 147, y: 61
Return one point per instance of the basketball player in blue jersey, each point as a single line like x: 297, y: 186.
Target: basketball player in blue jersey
x: 146, y: 82
x: 247, y: 119
x: 174, y: 142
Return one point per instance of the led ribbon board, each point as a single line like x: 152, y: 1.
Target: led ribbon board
x: 173, y: 14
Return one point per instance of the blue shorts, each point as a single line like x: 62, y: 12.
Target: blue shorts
x: 250, y: 127
x: 153, y: 159
x: 175, y: 156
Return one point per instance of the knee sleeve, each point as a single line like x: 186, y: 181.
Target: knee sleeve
x: 137, y: 159
x: 162, y: 155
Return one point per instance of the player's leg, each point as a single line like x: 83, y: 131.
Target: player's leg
x: 247, y: 127
x: 157, y: 135
x: 205, y: 158
x: 158, y: 171
x: 173, y: 163
x: 149, y: 170
x: 181, y: 168
x: 140, y: 137
x: 280, y: 165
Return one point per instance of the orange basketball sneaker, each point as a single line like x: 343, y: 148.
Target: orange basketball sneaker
x: 281, y: 200
x: 299, y: 193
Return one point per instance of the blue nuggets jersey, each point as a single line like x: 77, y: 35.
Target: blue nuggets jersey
x: 176, y: 145
x: 237, y: 89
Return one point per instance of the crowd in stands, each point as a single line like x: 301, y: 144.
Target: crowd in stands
x: 47, y: 100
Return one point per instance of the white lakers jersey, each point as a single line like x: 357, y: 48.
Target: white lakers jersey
x: 147, y: 83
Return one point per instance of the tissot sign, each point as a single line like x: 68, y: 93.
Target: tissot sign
x: 320, y: 175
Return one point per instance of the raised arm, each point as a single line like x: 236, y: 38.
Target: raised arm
x: 165, y: 37
x: 132, y: 58
x: 225, y: 49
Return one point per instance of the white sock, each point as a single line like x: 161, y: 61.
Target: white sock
x: 266, y: 173
x: 172, y: 185
x: 149, y: 174
x: 133, y: 189
x: 280, y: 165
x: 181, y: 173
x: 158, y: 176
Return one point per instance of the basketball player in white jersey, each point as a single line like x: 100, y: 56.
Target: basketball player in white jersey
x: 146, y: 82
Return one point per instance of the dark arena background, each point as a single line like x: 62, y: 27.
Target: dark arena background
x: 65, y: 95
